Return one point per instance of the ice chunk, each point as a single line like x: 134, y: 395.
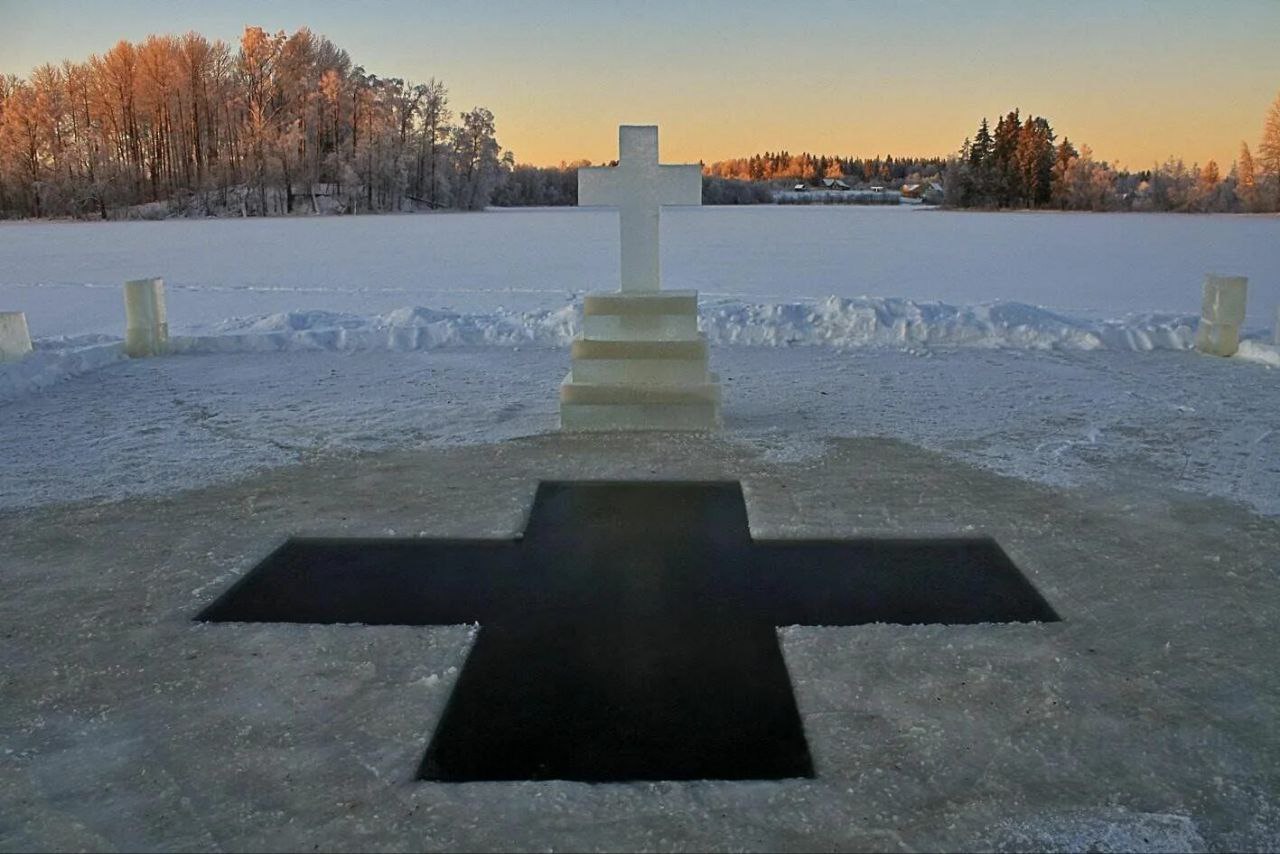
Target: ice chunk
x: 1221, y: 314
x: 15, y: 338
x: 1224, y: 299
x: 146, y: 321
x: 1218, y: 339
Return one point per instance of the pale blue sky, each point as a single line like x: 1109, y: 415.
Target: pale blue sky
x: 1137, y: 80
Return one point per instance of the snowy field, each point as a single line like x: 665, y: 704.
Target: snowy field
x: 1052, y: 347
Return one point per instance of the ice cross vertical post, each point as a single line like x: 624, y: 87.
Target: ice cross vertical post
x: 639, y: 186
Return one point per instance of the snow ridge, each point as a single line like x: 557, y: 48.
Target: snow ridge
x: 831, y: 322
x: 401, y: 329
x: 894, y: 322
x: 835, y: 322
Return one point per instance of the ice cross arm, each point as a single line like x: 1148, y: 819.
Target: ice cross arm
x: 608, y: 186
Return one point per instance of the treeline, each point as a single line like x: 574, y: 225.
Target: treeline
x: 812, y: 168
x: 189, y: 125
x: 550, y: 186
x: 726, y: 182
x: 1021, y: 165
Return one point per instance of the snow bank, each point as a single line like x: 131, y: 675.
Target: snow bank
x: 45, y: 366
x: 880, y: 321
x: 832, y: 322
x: 401, y: 329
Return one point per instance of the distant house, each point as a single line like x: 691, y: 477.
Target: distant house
x: 876, y: 188
x: 800, y: 188
x: 835, y: 184
x: 912, y: 191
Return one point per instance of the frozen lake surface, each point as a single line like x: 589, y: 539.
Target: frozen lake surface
x: 66, y: 276
x: 1052, y: 347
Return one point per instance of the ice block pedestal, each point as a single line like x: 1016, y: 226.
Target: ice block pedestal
x: 146, y: 320
x: 15, y: 339
x: 1221, y: 315
x: 641, y: 364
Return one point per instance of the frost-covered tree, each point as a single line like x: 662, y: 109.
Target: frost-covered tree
x: 199, y: 126
x: 1064, y: 156
x: 1246, y: 179
x: 478, y: 163
x: 1268, y: 162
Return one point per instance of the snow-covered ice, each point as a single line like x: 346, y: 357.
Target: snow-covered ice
x: 1049, y: 347
x: 67, y: 276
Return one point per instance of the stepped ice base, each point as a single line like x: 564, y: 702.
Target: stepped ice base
x: 640, y: 371
x: 640, y: 316
x: 662, y: 327
x: 589, y: 417
x: 641, y: 303
x: 604, y: 406
x: 640, y: 364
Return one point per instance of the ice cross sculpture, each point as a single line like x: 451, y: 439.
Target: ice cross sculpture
x: 639, y: 186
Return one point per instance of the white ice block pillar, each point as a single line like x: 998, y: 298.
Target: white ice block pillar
x: 146, y: 321
x: 15, y: 338
x: 1222, y: 314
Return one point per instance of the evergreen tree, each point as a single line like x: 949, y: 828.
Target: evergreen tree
x: 981, y: 149
x: 1035, y: 158
x: 1005, y: 178
x: 981, y: 165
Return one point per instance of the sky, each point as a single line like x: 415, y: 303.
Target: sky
x: 1137, y: 81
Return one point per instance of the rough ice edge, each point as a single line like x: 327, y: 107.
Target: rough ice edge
x: 836, y: 322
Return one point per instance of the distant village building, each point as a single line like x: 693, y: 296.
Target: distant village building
x: 876, y: 188
x: 922, y: 191
x: 800, y: 188
x: 835, y: 184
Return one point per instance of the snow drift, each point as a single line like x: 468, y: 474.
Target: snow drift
x: 47, y: 365
x: 833, y: 322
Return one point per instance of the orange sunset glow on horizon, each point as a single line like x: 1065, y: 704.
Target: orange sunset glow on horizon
x: 1137, y: 82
